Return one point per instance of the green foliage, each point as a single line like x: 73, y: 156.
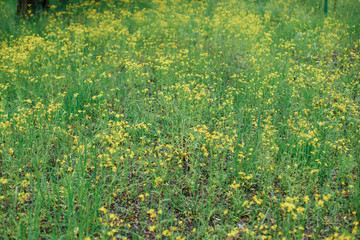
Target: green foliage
x: 180, y: 120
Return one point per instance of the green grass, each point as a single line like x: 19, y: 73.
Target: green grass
x: 180, y: 120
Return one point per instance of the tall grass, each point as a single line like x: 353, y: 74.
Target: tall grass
x: 180, y: 120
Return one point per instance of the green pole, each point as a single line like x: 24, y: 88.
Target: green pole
x: 326, y: 7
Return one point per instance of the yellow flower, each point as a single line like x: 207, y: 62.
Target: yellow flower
x: 151, y: 211
x: 3, y: 180
x: 112, y: 232
x: 320, y: 203
x: 166, y: 233
x: 158, y: 180
x: 300, y: 210
x: 258, y: 201
x: 103, y: 210
x: 233, y: 232
x: 234, y: 185
x: 142, y: 197
x: 326, y: 197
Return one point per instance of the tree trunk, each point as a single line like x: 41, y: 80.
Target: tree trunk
x: 33, y: 5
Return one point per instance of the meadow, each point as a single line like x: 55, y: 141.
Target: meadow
x: 170, y: 119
